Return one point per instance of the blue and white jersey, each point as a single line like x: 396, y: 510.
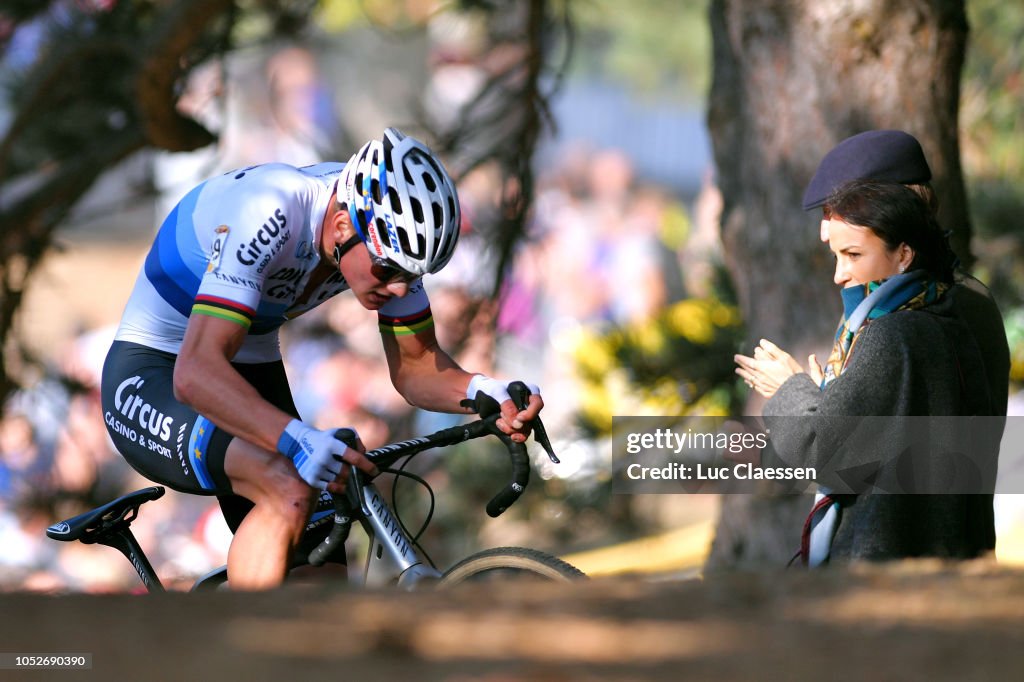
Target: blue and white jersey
x: 242, y: 246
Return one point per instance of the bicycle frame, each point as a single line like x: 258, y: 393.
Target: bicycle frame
x: 404, y: 564
x: 393, y: 557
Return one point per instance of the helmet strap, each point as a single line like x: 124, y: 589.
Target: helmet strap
x: 341, y: 249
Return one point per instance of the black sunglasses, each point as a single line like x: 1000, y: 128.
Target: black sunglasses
x: 387, y: 272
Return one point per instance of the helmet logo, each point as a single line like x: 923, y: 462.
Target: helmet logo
x: 392, y: 235
x: 366, y: 194
x: 382, y: 178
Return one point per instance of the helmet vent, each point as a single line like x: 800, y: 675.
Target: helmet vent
x: 408, y: 175
x: 375, y: 190
x: 421, y: 245
x: 396, y: 201
x: 433, y: 166
x: 429, y: 182
x: 361, y: 217
x: 382, y: 231
x: 451, y: 206
x: 417, y: 209
x: 436, y: 209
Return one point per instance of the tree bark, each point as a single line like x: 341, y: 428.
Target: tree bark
x: 791, y: 79
x: 63, y: 126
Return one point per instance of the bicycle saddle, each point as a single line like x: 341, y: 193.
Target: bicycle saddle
x: 93, y: 525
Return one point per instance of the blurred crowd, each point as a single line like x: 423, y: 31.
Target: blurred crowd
x: 56, y: 461
x: 602, y: 248
x: 598, y: 252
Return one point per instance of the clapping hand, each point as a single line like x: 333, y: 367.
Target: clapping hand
x: 771, y: 366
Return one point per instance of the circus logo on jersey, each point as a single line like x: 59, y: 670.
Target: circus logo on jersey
x: 249, y: 253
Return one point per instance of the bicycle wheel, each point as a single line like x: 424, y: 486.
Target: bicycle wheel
x: 510, y: 563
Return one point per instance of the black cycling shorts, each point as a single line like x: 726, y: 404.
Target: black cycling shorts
x: 170, y: 443
x: 165, y: 440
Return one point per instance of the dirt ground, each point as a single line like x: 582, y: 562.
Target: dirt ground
x: 914, y: 621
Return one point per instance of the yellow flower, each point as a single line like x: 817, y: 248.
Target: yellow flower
x: 712, y: 404
x: 725, y: 315
x: 1017, y: 368
x: 596, y: 407
x: 664, y: 397
x: 691, y: 319
x: 648, y: 337
x: 593, y: 356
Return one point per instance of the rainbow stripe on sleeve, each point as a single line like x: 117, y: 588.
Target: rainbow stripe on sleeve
x: 406, y: 325
x: 223, y: 308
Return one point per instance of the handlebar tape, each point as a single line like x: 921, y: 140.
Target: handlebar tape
x: 520, y: 477
x: 335, y: 541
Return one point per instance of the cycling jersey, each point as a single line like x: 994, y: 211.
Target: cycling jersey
x: 242, y: 246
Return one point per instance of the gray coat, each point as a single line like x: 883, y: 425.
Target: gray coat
x: 906, y: 364
x: 973, y: 303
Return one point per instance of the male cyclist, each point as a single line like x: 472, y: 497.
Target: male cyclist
x: 194, y: 390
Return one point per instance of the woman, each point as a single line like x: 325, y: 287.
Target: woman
x: 900, y: 351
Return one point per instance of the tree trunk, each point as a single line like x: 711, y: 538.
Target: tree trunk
x: 791, y: 79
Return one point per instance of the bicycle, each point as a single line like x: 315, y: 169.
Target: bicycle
x: 395, y: 557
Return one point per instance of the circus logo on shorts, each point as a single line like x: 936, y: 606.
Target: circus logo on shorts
x: 130, y: 404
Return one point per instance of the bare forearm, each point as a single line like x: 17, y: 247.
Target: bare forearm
x: 434, y: 382
x: 213, y: 388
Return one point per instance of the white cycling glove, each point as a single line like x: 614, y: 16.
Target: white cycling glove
x: 317, y: 455
x: 481, y: 388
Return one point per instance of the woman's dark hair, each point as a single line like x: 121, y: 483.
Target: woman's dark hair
x: 896, y: 214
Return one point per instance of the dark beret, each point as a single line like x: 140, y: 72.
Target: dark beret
x: 886, y: 155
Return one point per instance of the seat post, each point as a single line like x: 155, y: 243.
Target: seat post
x: 124, y: 541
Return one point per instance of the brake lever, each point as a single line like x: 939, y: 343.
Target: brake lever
x: 354, y: 485
x: 520, y: 393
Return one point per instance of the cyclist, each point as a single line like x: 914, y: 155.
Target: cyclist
x: 194, y: 391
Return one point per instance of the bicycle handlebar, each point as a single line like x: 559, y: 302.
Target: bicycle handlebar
x: 389, y: 454
x: 517, y: 452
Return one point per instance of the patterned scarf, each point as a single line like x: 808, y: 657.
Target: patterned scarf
x: 862, y: 305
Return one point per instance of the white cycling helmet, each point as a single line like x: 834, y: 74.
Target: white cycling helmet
x: 402, y: 203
